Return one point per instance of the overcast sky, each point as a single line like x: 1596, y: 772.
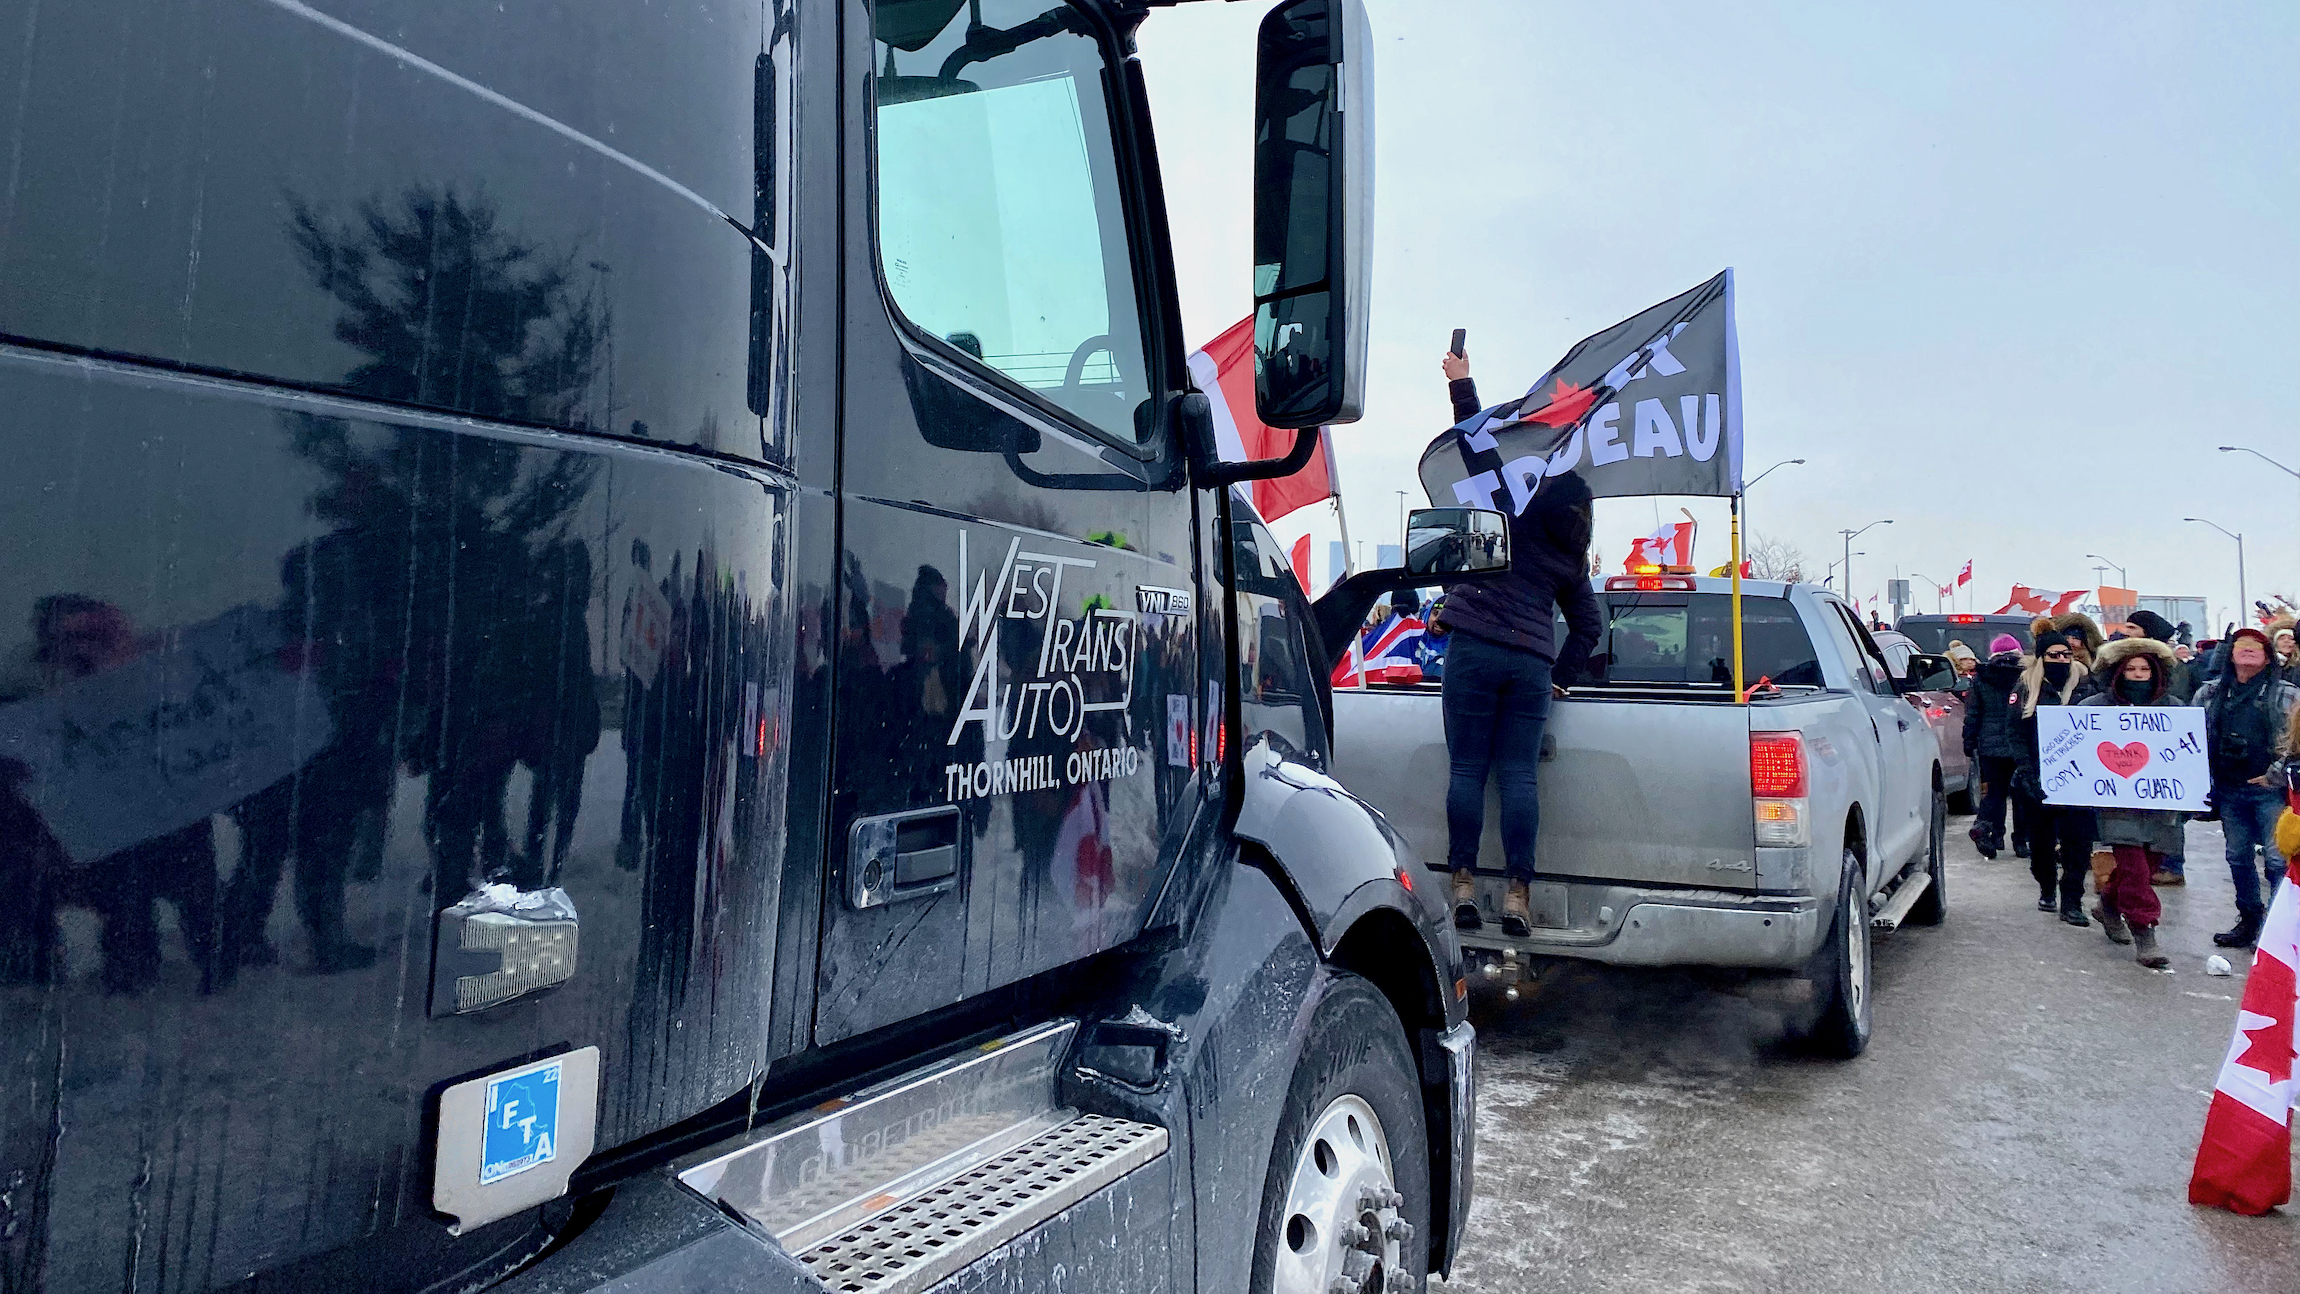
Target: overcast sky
x: 2005, y: 274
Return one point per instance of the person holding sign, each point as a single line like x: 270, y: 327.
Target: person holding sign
x: 2136, y: 672
x: 2060, y: 836
x: 2245, y: 711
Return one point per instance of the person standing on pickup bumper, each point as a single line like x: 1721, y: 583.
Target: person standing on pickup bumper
x: 1991, y: 704
x: 2246, y: 710
x: 1502, y: 667
x: 2060, y: 836
x: 2138, y: 672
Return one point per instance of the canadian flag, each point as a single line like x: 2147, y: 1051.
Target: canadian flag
x: 1224, y: 370
x: 1965, y: 576
x: 2039, y: 602
x: 1672, y: 545
x: 2245, y: 1161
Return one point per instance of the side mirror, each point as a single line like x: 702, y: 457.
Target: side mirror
x: 1443, y: 546
x: 1929, y: 674
x: 1313, y: 208
x: 1456, y: 541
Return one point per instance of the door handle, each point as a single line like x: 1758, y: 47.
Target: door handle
x: 897, y: 856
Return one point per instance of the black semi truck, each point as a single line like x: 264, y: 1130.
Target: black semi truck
x: 625, y: 663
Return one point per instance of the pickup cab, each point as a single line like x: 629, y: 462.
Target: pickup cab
x: 1680, y: 828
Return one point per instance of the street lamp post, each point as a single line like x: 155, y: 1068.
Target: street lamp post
x: 1937, y: 586
x: 2243, y: 597
x: 1850, y: 536
x: 1830, y: 570
x: 2246, y: 449
x: 2123, y: 581
x: 1786, y: 462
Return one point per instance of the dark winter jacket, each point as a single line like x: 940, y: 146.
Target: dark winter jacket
x: 1990, y: 706
x: 2244, y: 724
x: 1548, y: 573
x: 2021, y: 723
x: 2161, y: 830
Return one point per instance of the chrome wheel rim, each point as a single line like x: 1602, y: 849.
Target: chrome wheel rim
x: 1340, y: 1232
x: 1857, y: 955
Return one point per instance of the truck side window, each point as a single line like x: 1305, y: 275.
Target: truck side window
x: 1277, y: 685
x: 1845, y: 631
x: 1001, y: 227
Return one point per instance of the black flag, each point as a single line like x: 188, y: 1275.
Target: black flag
x: 1651, y: 405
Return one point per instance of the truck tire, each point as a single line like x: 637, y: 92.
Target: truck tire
x: 1345, y: 1206
x: 1839, y: 973
x: 1933, y: 904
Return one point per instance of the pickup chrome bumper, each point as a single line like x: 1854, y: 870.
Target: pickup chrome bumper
x: 1636, y: 926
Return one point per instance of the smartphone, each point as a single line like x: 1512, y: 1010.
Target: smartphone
x: 1460, y: 335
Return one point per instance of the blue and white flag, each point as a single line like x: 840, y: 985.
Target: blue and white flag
x: 1651, y: 405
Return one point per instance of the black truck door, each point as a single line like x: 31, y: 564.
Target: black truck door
x: 1015, y: 662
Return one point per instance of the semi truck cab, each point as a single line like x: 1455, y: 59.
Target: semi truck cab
x: 627, y: 663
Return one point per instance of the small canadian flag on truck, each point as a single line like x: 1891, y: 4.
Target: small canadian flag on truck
x: 2245, y: 1161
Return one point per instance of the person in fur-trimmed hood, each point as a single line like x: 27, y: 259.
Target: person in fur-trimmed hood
x: 2060, y: 836
x: 2135, y: 672
x: 2083, y: 633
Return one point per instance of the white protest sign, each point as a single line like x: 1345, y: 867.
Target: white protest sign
x: 2123, y: 756
x: 201, y: 721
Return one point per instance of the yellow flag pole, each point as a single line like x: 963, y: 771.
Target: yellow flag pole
x: 1740, y: 687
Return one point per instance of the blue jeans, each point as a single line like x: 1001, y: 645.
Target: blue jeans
x: 2248, y: 818
x: 1496, y: 700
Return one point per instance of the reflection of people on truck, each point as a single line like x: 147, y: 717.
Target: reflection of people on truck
x: 562, y: 723
x: 1503, y: 662
x: 343, y: 604
x: 76, y: 637
x: 927, y: 689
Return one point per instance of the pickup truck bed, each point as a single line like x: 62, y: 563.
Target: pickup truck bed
x: 1648, y: 851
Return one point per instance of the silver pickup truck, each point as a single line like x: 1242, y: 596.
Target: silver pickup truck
x: 1681, y: 829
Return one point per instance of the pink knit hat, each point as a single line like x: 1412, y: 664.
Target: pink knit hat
x: 2003, y: 642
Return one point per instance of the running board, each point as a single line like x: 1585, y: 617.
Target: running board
x: 1911, y: 889
x: 897, y: 1186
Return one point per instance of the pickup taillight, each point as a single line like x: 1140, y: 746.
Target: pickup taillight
x: 1776, y: 765
x: 1777, y: 789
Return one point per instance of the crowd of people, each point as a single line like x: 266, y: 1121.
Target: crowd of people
x: 2247, y: 684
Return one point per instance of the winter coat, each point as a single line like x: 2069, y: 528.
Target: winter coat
x: 2160, y: 830
x: 2256, y: 715
x: 2021, y: 722
x: 1990, y: 706
x: 1548, y: 573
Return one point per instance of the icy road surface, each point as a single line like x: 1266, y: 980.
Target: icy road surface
x: 2024, y: 1120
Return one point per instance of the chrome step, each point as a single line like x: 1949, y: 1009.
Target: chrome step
x: 927, y: 1171
x: 912, y: 1245
x: 1911, y: 889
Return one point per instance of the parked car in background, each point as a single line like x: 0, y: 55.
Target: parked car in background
x: 1941, y: 695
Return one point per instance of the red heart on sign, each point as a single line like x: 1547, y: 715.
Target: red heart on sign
x: 2125, y: 760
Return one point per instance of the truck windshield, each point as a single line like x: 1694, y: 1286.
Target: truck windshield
x: 1688, y: 638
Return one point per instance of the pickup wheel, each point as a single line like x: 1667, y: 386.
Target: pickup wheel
x: 1839, y: 973
x: 1345, y: 1206
x: 1933, y: 904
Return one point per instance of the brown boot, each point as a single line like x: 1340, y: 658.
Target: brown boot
x: 2144, y: 948
x: 1465, y: 913
x: 1517, y: 910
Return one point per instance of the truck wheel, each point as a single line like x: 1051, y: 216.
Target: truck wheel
x: 1346, y: 1204
x: 1933, y: 904
x: 1839, y: 973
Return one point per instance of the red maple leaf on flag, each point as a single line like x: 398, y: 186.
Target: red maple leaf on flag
x: 2270, y: 1049
x: 1566, y: 405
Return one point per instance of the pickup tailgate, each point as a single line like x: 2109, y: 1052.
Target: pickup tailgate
x: 1641, y: 791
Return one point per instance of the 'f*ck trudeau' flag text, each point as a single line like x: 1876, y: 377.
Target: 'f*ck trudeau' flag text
x: 1651, y: 405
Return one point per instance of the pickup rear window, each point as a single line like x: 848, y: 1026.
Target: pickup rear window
x: 1688, y: 638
